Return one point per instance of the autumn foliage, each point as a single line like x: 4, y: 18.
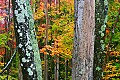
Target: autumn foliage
x: 60, y: 36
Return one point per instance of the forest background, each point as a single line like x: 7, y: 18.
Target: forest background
x: 60, y: 25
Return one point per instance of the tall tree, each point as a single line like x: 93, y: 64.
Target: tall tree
x: 46, y: 41
x: 82, y: 67
x: 101, y: 8
x: 26, y: 40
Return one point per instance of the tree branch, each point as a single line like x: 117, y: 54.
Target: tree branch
x: 11, y: 59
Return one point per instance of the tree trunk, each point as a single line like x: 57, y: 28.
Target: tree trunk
x: 20, y: 76
x: 100, y: 20
x: 56, y: 77
x: 66, y: 69
x: 26, y: 40
x: 46, y: 40
x: 82, y: 61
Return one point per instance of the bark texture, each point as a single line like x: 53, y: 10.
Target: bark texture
x: 83, y: 52
x: 26, y: 40
x: 46, y: 41
x: 101, y: 9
